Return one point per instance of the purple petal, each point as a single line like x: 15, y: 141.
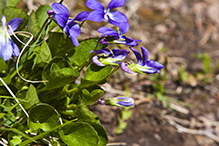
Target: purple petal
x: 103, y: 41
x: 123, y: 27
x: 99, y: 101
x: 151, y: 71
x: 137, y: 54
x: 75, y: 41
x: 3, y: 22
x: 107, y: 31
x: 50, y: 13
x: 96, y: 61
x: 145, y: 55
x: 74, y: 29
x: 104, y: 29
x: 6, y: 51
x: 61, y: 19
x: 104, y: 50
x: 154, y: 64
x: 60, y: 9
x: 120, y: 54
x: 96, y: 16
x: 130, y: 41
x: 125, y: 68
x: 16, y: 51
x: 61, y: 14
x: 117, y: 17
x: 116, y: 3
x: 82, y: 16
x: 94, y: 5
x: 14, y: 23
x: 126, y: 101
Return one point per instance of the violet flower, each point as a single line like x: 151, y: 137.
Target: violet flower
x: 117, y: 101
x: 112, y: 36
x: 100, y: 14
x: 106, y: 57
x: 7, y: 46
x: 143, y: 65
x: 61, y: 14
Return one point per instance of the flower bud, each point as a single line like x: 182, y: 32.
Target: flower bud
x: 118, y: 101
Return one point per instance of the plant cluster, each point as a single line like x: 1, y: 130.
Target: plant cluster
x: 43, y: 97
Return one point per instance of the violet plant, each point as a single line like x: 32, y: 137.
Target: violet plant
x: 43, y: 98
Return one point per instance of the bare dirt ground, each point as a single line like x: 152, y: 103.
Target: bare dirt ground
x: 174, y: 32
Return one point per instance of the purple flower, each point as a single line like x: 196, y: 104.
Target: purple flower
x: 143, y: 65
x: 61, y: 15
x: 7, y: 46
x: 117, y: 101
x: 100, y: 14
x: 112, y: 36
x: 106, y: 57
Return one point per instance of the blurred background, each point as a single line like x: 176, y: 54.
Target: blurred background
x: 179, y: 106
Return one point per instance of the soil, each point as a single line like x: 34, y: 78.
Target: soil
x: 174, y: 32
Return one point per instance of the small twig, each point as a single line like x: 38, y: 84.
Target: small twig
x: 179, y: 108
x: 107, y: 87
x: 12, y: 94
x: 17, y: 63
x: 191, y: 131
x: 116, y: 144
x: 208, y: 122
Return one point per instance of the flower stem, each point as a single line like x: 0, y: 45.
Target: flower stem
x: 12, y: 94
x: 88, y: 61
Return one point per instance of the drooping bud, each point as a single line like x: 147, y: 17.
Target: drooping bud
x: 117, y: 101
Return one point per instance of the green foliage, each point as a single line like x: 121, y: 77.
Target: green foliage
x: 206, y: 62
x: 31, y: 97
x: 46, y: 98
x: 43, y: 116
x: 182, y: 74
x: 17, y: 13
x: 122, y: 121
x: 32, y: 24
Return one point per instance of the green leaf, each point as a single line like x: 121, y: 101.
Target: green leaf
x: 43, y: 55
x: 15, y: 140
x: 60, y: 44
x: 91, y: 97
x: 82, y: 52
x: 32, y: 25
x: 58, y: 75
x: 31, y: 97
x: 79, y: 134
x: 3, y: 66
x: 12, y: 12
x: 121, y: 126
x: 101, y: 133
x: 7, y: 81
x: 97, y: 73
x: 12, y: 2
x: 82, y: 112
x: 41, y: 14
x: 43, y: 116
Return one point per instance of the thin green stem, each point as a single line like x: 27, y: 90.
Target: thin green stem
x: 41, y: 29
x: 46, y: 133
x: 88, y: 61
x: 15, y: 98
